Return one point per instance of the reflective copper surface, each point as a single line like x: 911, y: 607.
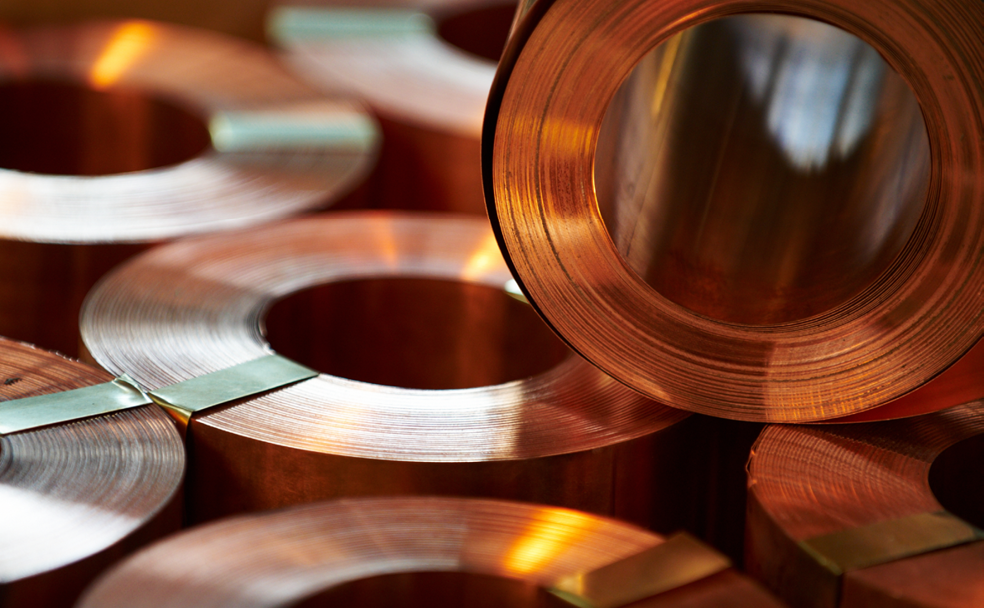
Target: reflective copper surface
x: 427, y: 84
x: 805, y: 482
x: 769, y: 218
x: 114, y: 134
x: 450, y: 386
x: 75, y: 498
x: 396, y: 552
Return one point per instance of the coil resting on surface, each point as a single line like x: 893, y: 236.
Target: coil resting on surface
x: 443, y: 384
x: 75, y: 498
x: 125, y: 132
x: 805, y: 483
x: 772, y: 219
x: 429, y: 95
x: 395, y: 552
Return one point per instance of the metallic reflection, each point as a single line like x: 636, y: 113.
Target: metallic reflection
x: 128, y: 43
x: 762, y: 169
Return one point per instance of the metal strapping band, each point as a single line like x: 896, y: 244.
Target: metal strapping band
x: 679, y: 561
x: 184, y: 398
x: 302, y: 24
x: 888, y: 541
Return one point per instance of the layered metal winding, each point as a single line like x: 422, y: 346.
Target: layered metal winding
x: 399, y: 552
x: 77, y: 497
x: 760, y: 211
x: 428, y: 92
x: 118, y: 133
x: 433, y: 380
x: 867, y: 500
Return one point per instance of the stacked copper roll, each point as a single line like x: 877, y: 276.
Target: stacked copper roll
x: 876, y: 489
x: 77, y: 497
x: 116, y: 135
x: 425, y: 67
x: 407, y: 552
x: 435, y: 381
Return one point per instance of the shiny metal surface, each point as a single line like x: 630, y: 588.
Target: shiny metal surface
x: 491, y: 406
x: 809, y: 482
x: 425, y: 68
x: 394, y: 552
x: 771, y: 220
x: 77, y: 497
x: 114, y: 134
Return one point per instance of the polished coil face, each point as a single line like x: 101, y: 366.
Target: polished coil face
x: 75, y: 497
x: 758, y: 216
x: 484, y: 403
x: 393, y: 552
x: 130, y: 131
x: 425, y: 68
x: 870, y: 496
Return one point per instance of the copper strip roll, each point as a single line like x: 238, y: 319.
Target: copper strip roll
x: 429, y: 95
x: 807, y: 482
x: 77, y: 497
x: 498, y: 407
x: 786, y: 227
x: 395, y: 552
x: 116, y: 134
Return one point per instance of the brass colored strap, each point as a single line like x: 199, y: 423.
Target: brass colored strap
x: 182, y: 399
x: 679, y: 561
x: 888, y: 541
x: 33, y: 412
x: 300, y: 24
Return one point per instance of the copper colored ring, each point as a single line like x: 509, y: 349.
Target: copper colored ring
x: 805, y: 482
x: 921, y: 314
x: 285, y: 558
x: 430, y: 98
x: 195, y: 306
x: 75, y: 498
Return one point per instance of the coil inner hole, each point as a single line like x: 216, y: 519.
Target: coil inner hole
x: 955, y: 478
x: 413, y: 333
x: 481, y: 31
x: 62, y: 128
x: 762, y: 169
x: 429, y: 589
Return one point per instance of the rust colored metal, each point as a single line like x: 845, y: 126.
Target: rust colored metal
x: 427, y: 84
x: 75, y: 498
x: 375, y: 552
x: 434, y: 380
x: 760, y: 211
x: 118, y: 134
x: 829, y: 482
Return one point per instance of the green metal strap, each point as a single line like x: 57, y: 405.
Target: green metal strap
x: 305, y: 24
x: 183, y: 399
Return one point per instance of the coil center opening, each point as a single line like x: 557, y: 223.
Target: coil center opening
x: 429, y: 589
x: 955, y: 478
x: 481, y: 31
x: 762, y: 169
x: 413, y: 333
x: 62, y: 128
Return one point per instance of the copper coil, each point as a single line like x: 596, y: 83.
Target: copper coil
x: 433, y: 380
x: 770, y: 218
x: 805, y: 482
x: 75, y: 498
x: 395, y: 552
x: 116, y: 134
x: 428, y: 93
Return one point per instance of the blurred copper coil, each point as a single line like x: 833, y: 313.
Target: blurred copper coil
x: 395, y: 552
x: 406, y: 59
x: 773, y: 219
x: 75, y: 498
x: 119, y: 133
x: 805, y: 482
x: 443, y: 384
